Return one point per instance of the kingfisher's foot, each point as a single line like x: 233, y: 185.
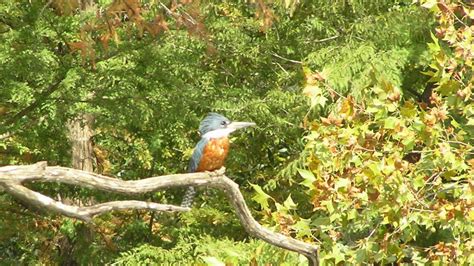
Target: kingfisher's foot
x: 220, y: 171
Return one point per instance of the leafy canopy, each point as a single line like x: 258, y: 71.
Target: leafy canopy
x: 363, y: 143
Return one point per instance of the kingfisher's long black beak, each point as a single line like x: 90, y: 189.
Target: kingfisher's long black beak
x: 239, y: 125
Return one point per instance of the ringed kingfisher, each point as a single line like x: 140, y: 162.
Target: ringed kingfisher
x: 211, y: 151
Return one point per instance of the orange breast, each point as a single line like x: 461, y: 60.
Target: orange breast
x: 214, y: 154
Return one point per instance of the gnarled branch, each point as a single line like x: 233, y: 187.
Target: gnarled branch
x: 12, y: 177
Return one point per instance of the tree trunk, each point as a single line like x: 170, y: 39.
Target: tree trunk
x: 80, y: 135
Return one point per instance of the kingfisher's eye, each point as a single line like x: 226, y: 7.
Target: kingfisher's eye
x: 223, y: 123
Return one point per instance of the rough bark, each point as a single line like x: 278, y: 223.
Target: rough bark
x: 12, y: 177
x: 80, y: 135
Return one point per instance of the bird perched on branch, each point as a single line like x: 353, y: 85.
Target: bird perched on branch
x: 211, y: 151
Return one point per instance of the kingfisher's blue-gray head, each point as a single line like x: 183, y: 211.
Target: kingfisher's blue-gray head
x: 217, y: 126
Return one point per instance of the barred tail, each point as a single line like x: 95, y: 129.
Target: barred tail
x: 188, y: 197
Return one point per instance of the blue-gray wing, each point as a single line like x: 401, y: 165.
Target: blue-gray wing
x: 197, y: 155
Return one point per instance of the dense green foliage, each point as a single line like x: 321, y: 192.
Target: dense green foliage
x: 348, y: 154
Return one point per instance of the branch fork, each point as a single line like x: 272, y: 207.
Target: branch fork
x: 13, y: 177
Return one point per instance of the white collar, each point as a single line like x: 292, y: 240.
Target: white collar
x: 218, y: 133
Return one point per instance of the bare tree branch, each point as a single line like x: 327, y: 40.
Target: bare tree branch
x: 12, y: 177
x: 129, y: 204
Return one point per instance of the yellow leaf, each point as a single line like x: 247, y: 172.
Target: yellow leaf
x: 347, y: 107
x: 308, y: 177
x: 429, y: 4
x: 471, y: 14
x: 311, y: 91
x: 471, y: 215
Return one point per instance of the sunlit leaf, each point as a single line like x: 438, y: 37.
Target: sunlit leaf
x: 429, y: 4
x: 308, y: 178
x: 302, y: 228
x: 260, y: 196
x: 342, y: 183
x: 390, y: 122
x: 213, y: 261
x: 289, y: 203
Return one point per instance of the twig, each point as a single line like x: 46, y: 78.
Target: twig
x: 458, y: 142
x: 175, y: 15
x: 327, y: 39
x: 45, y: 6
x: 284, y: 70
x: 286, y: 59
x: 167, y: 9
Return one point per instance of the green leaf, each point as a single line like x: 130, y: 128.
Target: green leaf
x: 449, y: 88
x: 361, y: 255
x: 455, y: 124
x: 308, y: 178
x: 390, y: 122
x: 302, y: 228
x: 342, y: 183
x: 418, y: 182
x: 373, y: 109
x: 337, y: 254
x: 319, y: 100
x: 213, y: 261
x: 289, y: 203
x: 352, y: 214
x: 329, y: 205
x: 260, y: 197
x: 429, y: 4
x: 321, y: 221
x: 434, y: 46
x: 409, y: 143
x: 408, y: 109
